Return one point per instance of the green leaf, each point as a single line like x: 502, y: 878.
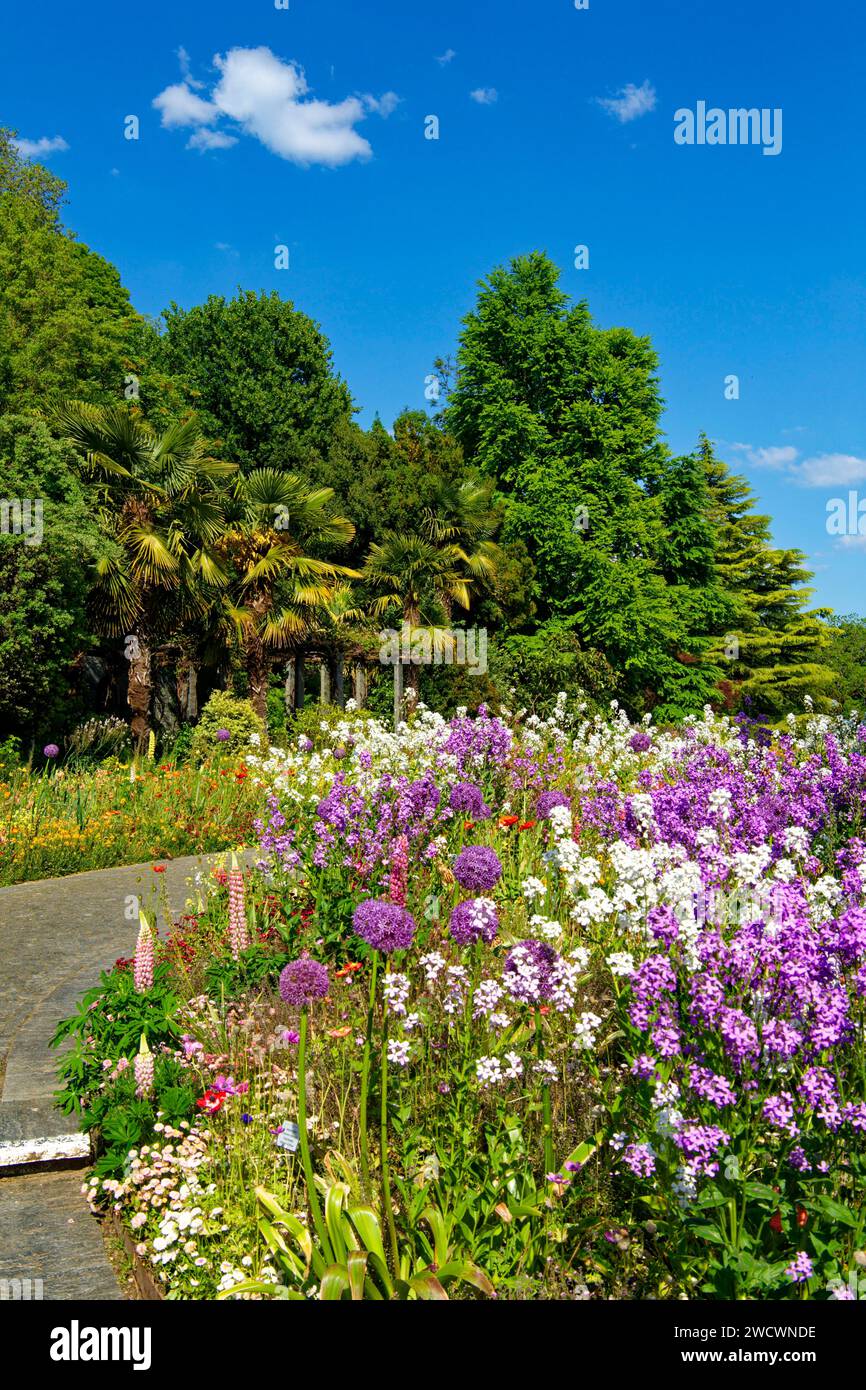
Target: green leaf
x: 335, y: 1283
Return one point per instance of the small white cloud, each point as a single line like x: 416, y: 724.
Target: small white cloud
x: 183, y: 58
x: 205, y: 139
x: 178, y: 106
x: 775, y: 456
x: 36, y: 149
x: 485, y: 96
x: 383, y: 105
x: 630, y: 102
x: 447, y: 57
x: 852, y: 542
x: 831, y: 470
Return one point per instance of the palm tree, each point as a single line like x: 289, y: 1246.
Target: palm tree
x: 278, y: 587
x: 158, y: 496
x: 462, y: 514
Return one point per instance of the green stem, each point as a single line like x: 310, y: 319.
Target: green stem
x: 386, y: 1179
x: 365, y: 1079
x: 545, y: 1101
x: 312, y: 1195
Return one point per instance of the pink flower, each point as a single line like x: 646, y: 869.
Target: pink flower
x: 143, y: 961
x: 239, y: 937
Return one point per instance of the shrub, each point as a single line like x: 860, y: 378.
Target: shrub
x: 224, y: 714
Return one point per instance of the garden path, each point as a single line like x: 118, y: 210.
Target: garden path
x: 56, y: 935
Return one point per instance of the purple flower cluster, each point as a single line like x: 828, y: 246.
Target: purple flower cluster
x: 477, y: 868
x: 468, y: 799
x: 385, y: 926
x: 546, y: 802
x: 302, y: 981
x: 528, y: 973
x: 476, y: 919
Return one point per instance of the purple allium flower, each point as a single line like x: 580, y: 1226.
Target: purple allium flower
x: 477, y: 868
x: 546, y: 802
x: 223, y: 735
x: 385, y: 926
x: 640, y: 742
x: 303, y: 980
x: 468, y: 799
x: 528, y: 971
x: 476, y: 919
x: 50, y: 750
x: 800, y: 1269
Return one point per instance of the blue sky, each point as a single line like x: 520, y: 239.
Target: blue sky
x: 305, y: 127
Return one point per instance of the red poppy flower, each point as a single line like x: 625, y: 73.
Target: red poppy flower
x: 158, y: 868
x: 506, y: 821
x: 527, y: 825
x: 348, y: 969
x: 469, y: 825
x: 211, y: 1101
x: 776, y: 1223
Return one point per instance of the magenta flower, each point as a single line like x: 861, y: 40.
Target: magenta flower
x: 302, y: 981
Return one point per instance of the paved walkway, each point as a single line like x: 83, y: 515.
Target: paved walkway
x: 55, y: 937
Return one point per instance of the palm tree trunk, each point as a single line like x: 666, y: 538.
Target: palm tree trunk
x: 360, y: 684
x: 139, y: 687
x: 398, y: 692
x: 258, y: 667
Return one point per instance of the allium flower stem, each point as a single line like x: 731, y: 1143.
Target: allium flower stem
x: 547, y: 1123
x: 312, y: 1195
x: 386, y: 1176
x: 365, y: 1077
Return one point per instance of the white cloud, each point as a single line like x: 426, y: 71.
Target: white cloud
x: 852, y: 542
x: 179, y: 106
x: 205, y: 139
x: 485, y: 96
x: 831, y: 470
x: 447, y: 57
x: 630, y: 102
x: 820, y: 470
x: 258, y: 94
x: 383, y: 105
x: 775, y: 456
x: 35, y: 149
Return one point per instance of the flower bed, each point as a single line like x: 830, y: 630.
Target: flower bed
x: 64, y: 821
x: 565, y: 1009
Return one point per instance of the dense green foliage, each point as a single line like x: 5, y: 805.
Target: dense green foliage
x: 212, y: 510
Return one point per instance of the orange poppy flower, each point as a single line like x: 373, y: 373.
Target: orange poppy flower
x: 348, y: 969
x: 506, y: 821
x: 158, y: 868
x: 802, y: 1216
x: 469, y: 825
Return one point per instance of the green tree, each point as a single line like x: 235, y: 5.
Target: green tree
x: 777, y: 650
x: 564, y: 417
x: 49, y: 541
x: 67, y: 327
x: 260, y: 376
x: 279, y: 589
x: 846, y: 655
x: 158, y: 496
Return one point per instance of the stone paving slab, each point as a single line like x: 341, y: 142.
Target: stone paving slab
x: 47, y: 1233
x: 56, y: 935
